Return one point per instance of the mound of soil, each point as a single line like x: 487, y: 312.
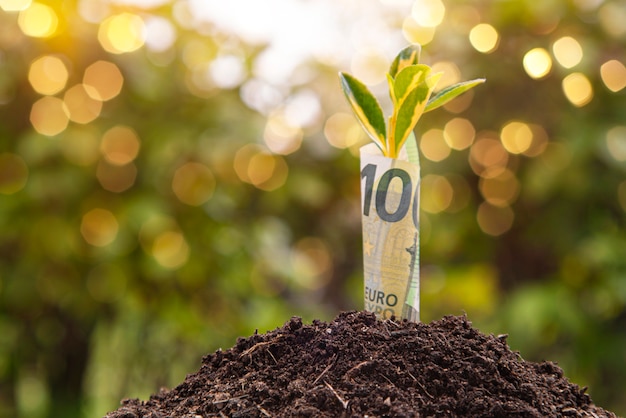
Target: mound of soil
x: 358, y: 366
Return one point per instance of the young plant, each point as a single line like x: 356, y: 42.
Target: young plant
x: 411, y: 87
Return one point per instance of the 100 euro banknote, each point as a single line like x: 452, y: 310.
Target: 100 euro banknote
x: 390, y: 218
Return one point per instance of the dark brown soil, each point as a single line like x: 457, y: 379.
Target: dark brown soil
x: 358, y: 366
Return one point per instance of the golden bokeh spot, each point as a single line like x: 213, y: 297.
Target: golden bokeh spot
x: 436, y: 193
x: 193, y: 183
x: 103, y: 80
x: 487, y: 153
x: 494, y: 220
x: 99, y: 227
x: 343, y: 131
x: 577, y: 89
x: 567, y: 51
x: 451, y: 73
x: 516, y: 137
x: 459, y: 133
x: 14, y: 5
x: 38, y: 20
x: 613, y: 75
x: 416, y: 34
x: 170, y: 250
x: 280, y: 136
x: 311, y: 262
x: 621, y: 195
x: 80, y: 106
x: 48, y: 75
x: 120, y: 145
x: 370, y: 66
x: 484, y: 38
x: 48, y: 116
x: 122, y: 33
x: 428, y: 13
x: 500, y: 190
x: 433, y: 145
x: 13, y: 173
x: 616, y: 142
x: 255, y: 165
x: 116, y: 178
x: 537, y: 63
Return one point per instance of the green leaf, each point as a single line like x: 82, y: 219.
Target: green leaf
x: 408, y: 79
x: 392, y: 91
x: 411, y: 109
x: 449, y: 93
x: 366, y: 108
x: 408, y: 56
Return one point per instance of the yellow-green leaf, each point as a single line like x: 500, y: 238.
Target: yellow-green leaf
x: 409, y: 78
x: 449, y: 93
x: 411, y: 109
x: 366, y: 108
x: 408, y: 56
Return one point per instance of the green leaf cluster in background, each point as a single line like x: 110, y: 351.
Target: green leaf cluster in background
x: 411, y: 87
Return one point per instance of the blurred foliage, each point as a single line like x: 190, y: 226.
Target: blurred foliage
x: 169, y: 183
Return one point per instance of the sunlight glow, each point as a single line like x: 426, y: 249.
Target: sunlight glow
x: 537, y: 63
x: 103, y: 80
x: 38, y: 21
x: 343, y: 131
x: 414, y: 33
x: 120, y: 145
x: 577, y: 89
x: 48, y: 116
x: 80, y: 107
x: 613, y: 75
x: 459, y: 133
x: 122, y: 33
x: 567, y: 51
x: 48, y: 75
x: 280, y: 136
x: 484, y: 38
x: 370, y: 66
x: 255, y: 165
x: 14, y: 5
x: 428, y: 13
x: 433, y: 145
x: 516, y: 137
x: 487, y: 155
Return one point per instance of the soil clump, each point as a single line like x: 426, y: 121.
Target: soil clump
x: 358, y: 366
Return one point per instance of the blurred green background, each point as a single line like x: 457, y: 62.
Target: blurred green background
x: 178, y: 173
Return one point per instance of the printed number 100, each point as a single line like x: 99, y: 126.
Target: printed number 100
x: 409, y: 194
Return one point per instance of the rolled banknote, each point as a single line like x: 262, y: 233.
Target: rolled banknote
x: 390, y: 217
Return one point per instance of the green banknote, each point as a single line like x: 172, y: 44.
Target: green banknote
x: 390, y: 217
